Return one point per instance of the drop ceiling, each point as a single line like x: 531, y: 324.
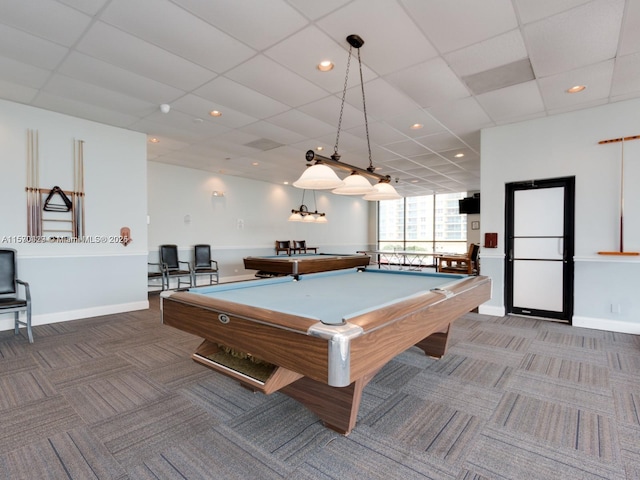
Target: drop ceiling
x: 453, y: 66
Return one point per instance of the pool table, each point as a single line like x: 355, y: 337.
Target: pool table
x: 320, y: 338
x: 274, y: 265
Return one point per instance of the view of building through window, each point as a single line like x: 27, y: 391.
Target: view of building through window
x: 429, y: 223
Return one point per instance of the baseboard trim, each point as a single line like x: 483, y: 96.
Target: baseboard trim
x: 491, y: 310
x: 606, y: 324
x: 45, y: 319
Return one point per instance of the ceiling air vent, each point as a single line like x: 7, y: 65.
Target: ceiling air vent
x: 263, y: 144
x: 500, y: 77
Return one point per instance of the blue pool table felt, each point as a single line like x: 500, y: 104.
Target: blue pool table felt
x: 329, y: 297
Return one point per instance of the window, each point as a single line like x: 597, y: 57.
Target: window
x: 429, y: 223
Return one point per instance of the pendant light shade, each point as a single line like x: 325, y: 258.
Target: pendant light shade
x: 318, y: 177
x: 383, y: 191
x: 309, y: 219
x: 295, y: 217
x: 354, y: 184
x: 322, y: 219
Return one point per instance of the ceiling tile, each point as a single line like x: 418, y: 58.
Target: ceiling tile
x: 462, y: 116
x: 105, y: 42
x: 23, y: 74
x: 315, y: 10
x: 94, y: 71
x: 430, y: 160
x: 406, y: 148
x: 281, y: 84
x: 36, y: 18
x: 429, y: 83
x: 17, y: 92
x: 198, y: 107
x: 529, y: 11
x: 380, y: 133
x: 164, y: 24
x: 27, y: 48
x: 383, y: 101
x: 392, y: 39
x: 303, y: 51
x: 273, y: 132
x: 597, y: 78
x: 439, y: 142
x: 630, y: 38
x: 77, y: 90
x: 246, y: 20
x: 570, y: 40
x: 494, y: 52
x: 511, y: 102
x: 242, y: 99
x: 302, y: 123
x: 328, y: 109
x: 454, y: 25
x: 403, y: 123
x: 90, y: 7
x: 626, y: 75
x: 78, y: 109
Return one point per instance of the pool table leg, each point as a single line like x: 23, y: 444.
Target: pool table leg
x: 337, y: 407
x: 435, y: 345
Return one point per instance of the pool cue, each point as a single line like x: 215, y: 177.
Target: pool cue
x: 621, y: 140
x: 74, y: 198
x: 29, y: 221
x: 37, y: 186
x: 81, y: 197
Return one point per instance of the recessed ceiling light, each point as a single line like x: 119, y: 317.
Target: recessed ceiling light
x: 286, y: 183
x: 319, y: 148
x: 415, y: 180
x: 255, y: 164
x: 154, y: 140
x: 416, y: 126
x: 576, y: 89
x: 325, y: 65
x: 215, y: 113
x: 459, y: 155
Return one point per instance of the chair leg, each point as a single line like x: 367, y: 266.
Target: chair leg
x: 26, y: 323
x: 29, y: 332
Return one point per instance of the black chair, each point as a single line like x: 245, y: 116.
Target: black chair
x: 155, y: 272
x: 9, y: 300
x: 203, y: 265
x: 300, y: 246
x: 171, y: 266
x: 283, y: 246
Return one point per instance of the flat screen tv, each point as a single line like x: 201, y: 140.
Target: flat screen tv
x: 469, y: 205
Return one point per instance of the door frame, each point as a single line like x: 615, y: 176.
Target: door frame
x: 569, y: 238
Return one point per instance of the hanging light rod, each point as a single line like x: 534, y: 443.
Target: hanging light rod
x: 312, y: 156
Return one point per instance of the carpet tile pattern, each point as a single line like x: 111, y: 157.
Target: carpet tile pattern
x: 514, y: 398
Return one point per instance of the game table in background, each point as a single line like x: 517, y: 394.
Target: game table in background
x: 304, y: 263
x: 320, y: 338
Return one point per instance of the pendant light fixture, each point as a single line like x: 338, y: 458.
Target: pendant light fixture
x: 317, y: 178
x: 302, y: 213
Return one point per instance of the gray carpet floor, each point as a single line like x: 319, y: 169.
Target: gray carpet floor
x: 117, y: 397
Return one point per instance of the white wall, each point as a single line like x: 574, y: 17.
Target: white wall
x: 567, y: 145
x: 71, y: 281
x: 247, y: 219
